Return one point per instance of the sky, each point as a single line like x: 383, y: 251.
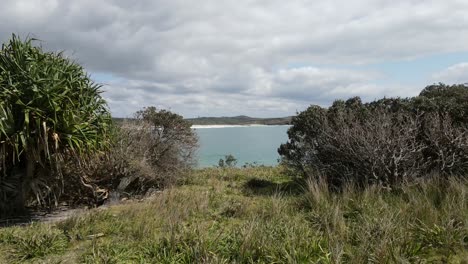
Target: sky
x: 262, y: 58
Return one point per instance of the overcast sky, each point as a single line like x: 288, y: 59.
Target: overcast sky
x: 245, y: 57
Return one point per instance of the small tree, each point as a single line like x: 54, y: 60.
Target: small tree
x: 175, y: 141
x: 228, y: 161
x: 49, y: 107
x: 160, y: 146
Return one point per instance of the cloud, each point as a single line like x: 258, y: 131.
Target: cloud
x: 282, y: 54
x: 126, y: 99
x: 276, y: 93
x: 454, y: 74
x: 310, y: 83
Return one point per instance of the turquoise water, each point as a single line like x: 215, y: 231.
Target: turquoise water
x: 247, y: 144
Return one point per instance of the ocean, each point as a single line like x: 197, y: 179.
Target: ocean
x: 254, y: 144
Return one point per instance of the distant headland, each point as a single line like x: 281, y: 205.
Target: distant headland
x: 233, y: 120
x: 240, y: 120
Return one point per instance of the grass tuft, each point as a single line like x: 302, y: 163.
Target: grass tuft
x: 235, y: 216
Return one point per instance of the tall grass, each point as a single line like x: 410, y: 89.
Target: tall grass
x: 258, y: 215
x: 410, y: 223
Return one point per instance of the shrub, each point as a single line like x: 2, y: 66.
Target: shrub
x: 161, y: 146
x: 385, y: 142
x: 229, y: 161
x: 152, y: 151
x: 49, y: 109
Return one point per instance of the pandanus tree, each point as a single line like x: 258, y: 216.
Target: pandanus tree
x: 49, y: 109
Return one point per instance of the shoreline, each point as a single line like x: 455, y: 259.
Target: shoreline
x: 228, y: 126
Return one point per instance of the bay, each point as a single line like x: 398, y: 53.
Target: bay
x: 248, y: 144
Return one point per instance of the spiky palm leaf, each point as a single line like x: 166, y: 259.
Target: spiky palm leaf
x: 49, y: 107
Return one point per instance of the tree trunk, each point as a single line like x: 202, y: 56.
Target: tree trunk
x: 25, y: 188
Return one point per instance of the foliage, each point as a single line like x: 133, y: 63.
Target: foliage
x: 228, y: 161
x: 49, y: 108
x: 445, y: 99
x: 151, y: 152
x: 212, y: 219
x: 387, y: 142
x: 167, y: 144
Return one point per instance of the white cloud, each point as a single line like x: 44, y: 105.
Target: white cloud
x: 454, y: 74
x: 248, y: 55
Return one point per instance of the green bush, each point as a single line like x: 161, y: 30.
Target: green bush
x: 49, y: 109
x: 160, y: 149
x: 150, y: 152
x: 228, y: 161
x: 382, y: 142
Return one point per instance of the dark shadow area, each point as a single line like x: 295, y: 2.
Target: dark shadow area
x: 256, y: 186
x: 32, y: 215
x: 20, y: 218
x: 16, y: 221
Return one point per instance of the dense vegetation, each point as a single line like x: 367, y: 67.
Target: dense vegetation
x: 259, y: 215
x: 149, y: 153
x: 49, y: 108
x: 58, y: 143
x: 387, y: 142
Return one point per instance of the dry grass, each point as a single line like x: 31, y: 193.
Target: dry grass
x: 257, y: 215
